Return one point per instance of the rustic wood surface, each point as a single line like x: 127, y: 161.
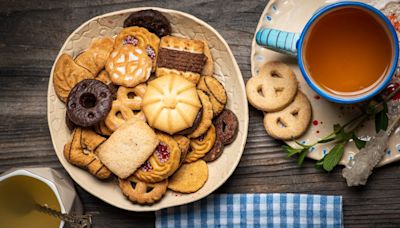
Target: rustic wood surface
x: 31, y: 34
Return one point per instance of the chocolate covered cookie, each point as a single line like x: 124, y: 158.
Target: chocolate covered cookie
x: 227, y: 126
x: 152, y: 20
x: 89, y: 102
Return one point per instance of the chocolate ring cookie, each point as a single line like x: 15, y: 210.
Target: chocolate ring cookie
x: 227, y: 126
x: 141, y: 192
x: 89, y: 102
x: 153, y: 20
x: 216, y: 151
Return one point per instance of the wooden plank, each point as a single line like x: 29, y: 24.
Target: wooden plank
x: 31, y: 33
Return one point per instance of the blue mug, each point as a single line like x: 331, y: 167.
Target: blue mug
x: 293, y: 44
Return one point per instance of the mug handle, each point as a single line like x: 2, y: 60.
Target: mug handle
x: 277, y: 40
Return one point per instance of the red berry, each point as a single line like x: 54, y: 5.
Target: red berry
x: 146, y: 166
x: 130, y: 40
x: 150, y: 52
x: 391, y: 88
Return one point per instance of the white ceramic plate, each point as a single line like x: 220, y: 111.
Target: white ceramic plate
x: 226, y: 70
x: 292, y: 15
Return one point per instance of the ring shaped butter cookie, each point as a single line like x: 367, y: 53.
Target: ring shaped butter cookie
x: 201, y: 145
x: 189, y: 177
x: 163, y: 163
x: 128, y: 66
x: 216, y: 92
x: 140, y: 192
x: 150, y: 19
x: 81, y: 149
x: 89, y: 102
x: 139, y: 37
x: 290, y: 122
x: 206, y: 118
x: 273, y: 88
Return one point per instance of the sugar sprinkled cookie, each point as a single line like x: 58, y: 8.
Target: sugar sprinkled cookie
x: 189, y: 177
x: 273, y: 88
x: 292, y: 121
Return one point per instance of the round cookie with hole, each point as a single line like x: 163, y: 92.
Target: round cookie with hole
x: 273, y: 88
x: 292, y: 121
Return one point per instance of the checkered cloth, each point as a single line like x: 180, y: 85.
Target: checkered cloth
x: 256, y: 210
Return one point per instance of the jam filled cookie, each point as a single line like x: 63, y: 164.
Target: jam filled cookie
x: 66, y: 75
x: 152, y: 20
x: 142, y: 38
x: 81, y: 151
x: 171, y: 104
x: 163, y: 163
x: 206, y: 117
x: 181, y: 56
x: 129, y: 66
x: 140, y: 192
x: 94, y: 58
x: 89, y: 102
x: 189, y: 177
x: 273, y: 88
x: 200, y: 146
x: 292, y: 121
x: 128, y: 147
x: 216, y: 92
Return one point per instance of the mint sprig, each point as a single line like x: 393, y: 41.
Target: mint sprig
x: 341, y: 135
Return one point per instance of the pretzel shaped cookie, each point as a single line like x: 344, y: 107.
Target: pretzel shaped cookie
x: 273, y: 88
x: 142, y: 192
x: 80, y: 151
x: 126, y: 106
x: 163, y: 163
x: 290, y: 122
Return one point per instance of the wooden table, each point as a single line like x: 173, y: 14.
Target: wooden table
x: 31, y: 34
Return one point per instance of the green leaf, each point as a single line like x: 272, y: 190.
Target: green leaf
x: 358, y: 142
x: 333, y: 157
x: 326, y: 140
x: 301, y: 144
x: 381, y: 119
x: 291, y: 151
x: 301, y: 157
x: 337, y: 127
x: 319, y: 164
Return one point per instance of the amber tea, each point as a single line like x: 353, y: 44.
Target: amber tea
x: 347, y: 51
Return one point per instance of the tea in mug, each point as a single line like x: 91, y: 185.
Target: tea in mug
x: 347, y: 51
x: 41, y: 193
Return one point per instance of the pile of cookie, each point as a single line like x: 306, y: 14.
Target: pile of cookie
x: 274, y: 90
x: 144, y: 106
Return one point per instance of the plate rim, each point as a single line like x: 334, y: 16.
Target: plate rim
x: 245, y: 109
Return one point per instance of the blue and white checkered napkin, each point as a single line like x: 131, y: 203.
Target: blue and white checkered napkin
x: 256, y: 210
